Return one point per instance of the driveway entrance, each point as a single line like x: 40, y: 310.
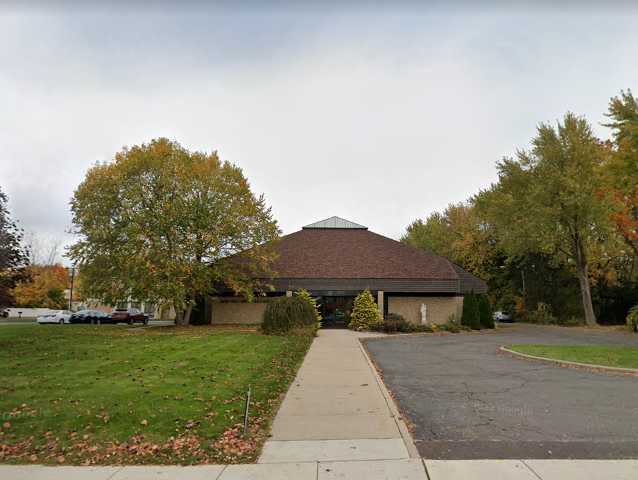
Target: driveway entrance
x: 466, y: 401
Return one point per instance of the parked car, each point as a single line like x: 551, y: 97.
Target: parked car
x: 129, y: 315
x: 501, y: 316
x: 90, y: 316
x: 56, y: 316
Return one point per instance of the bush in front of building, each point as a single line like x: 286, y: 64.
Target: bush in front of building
x: 471, y: 316
x: 485, y: 312
x: 305, y: 295
x: 286, y: 315
x: 365, y: 313
x: 632, y: 318
x: 453, y: 325
x: 395, y: 323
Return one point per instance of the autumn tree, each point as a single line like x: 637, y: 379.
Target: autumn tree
x: 157, y: 223
x: 547, y: 199
x: 13, y: 255
x: 459, y: 234
x: 44, y: 287
x: 622, y: 174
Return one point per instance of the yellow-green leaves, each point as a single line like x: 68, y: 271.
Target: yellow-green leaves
x: 155, y: 223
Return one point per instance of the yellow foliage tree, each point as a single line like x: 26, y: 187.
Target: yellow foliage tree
x: 44, y: 288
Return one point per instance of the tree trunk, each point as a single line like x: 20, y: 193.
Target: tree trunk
x: 180, y: 318
x: 585, y: 292
x: 187, y: 314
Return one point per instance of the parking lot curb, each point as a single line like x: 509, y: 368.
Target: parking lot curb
x: 568, y: 364
x: 398, y: 417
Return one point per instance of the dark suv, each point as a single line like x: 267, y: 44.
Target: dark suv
x: 129, y: 315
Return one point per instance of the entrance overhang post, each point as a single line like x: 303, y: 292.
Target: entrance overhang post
x: 380, y: 302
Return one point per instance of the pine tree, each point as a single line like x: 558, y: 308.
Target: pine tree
x: 471, y: 317
x: 485, y: 312
x: 365, y: 312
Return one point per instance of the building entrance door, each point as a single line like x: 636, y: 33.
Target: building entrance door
x: 336, y: 311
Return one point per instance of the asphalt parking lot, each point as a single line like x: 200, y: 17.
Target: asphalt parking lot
x: 466, y: 401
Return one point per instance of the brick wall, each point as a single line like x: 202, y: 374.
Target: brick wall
x: 237, y: 312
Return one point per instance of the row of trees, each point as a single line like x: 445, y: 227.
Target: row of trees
x: 560, y: 224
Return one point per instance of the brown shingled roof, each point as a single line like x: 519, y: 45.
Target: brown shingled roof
x: 355, y: 253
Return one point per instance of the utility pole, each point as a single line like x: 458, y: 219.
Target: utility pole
x: 71, y: 290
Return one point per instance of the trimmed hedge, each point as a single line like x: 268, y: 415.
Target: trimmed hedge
x: 285, y: 314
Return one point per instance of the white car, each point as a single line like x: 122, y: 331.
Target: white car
x: 56, y: 316
x: 501, y: 316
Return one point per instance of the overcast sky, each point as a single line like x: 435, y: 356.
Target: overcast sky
x: 377, y: 115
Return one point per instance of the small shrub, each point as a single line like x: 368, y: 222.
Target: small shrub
x: 485, y: 312
x: 305, y: 295
x: 365, y: 313
x: 452, y: 325
x: 542, y: 315
x: 395, y: 323
x: 632, y: 318
x: 286, y: 315
x: 471, y: 316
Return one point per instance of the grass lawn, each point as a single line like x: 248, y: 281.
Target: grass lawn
x: 80, y: 394
x: 611, y: 356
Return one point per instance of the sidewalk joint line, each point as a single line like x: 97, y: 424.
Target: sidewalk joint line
x: 531, y: 469
x: 425, y: 467
x: 116, y: 472
x: 221, y: 472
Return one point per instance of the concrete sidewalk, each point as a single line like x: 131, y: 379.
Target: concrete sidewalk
x: 406, y: 469
x: 337, y: 409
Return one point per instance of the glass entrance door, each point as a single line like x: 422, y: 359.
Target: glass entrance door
x: 336, y: 311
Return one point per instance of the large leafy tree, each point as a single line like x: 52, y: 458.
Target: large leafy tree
x: 158, y: 222
x: 548, y: 200
x: 13, y: 255
x: 459, y: 234
x: 622, y: 174
x: 462, y: 235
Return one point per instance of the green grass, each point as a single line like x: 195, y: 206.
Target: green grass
x: 611, y: 356
x: 107, y: 394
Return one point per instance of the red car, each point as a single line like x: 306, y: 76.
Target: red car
x: 128, y: 315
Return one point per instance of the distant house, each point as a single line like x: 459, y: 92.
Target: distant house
x: 336, y: 259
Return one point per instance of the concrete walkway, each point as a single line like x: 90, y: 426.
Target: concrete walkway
x: 406, y: 469
x: 337, y: 409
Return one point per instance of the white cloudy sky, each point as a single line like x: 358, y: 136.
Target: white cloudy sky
x: 378, y: 115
